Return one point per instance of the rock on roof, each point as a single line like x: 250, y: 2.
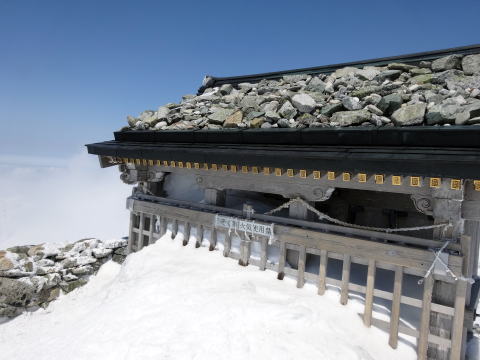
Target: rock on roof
x: 443, y: 92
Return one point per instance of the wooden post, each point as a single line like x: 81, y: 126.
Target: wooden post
x: 395, y: 314
x: 281, y: 261
x: 199, y: 234
x: 422, y: 345
x: 186, y: 233
x: 228, y: 244
x: 213, y: 239
x: 140, y: 232
x: 345, y: 279
x: 245, y: 247
x: 152, y: 227
x: 163, y: 225
x: 322, y: 273
x: 302, y: 256
x: 174, y: 228
x: 367, y: 316
x: 131, y: 233
x: 263, y: 253
x: 458, y: 320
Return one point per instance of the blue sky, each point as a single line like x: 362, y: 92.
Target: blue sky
x: 70, y: 71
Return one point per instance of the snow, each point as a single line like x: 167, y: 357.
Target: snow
x: 173, y: 302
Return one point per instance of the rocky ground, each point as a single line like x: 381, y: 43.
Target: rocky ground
x: 33, y: 276
x: 443, y: 92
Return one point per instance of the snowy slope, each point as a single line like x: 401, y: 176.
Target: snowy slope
x: 174, y: 302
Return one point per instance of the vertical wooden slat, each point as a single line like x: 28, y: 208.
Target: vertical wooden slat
x: 163, y: 225
x: 281, y: 261
x: 213, y: 239
x: 198, y: 243
x: 302, y: 255
x: 458, y: 320
x: 422, y: 345
x: 131, y: 233
x: 186, y: 233
x: 227, y: 244
x: 367, y: 316
x: 395, y: 314
x: 152, y: 227
x: 322, y: 272
x: 140, y: 232
x: 174, y: 228
x: 263, y: 253
x: 345, y: 279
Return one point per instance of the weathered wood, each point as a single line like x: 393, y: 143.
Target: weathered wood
x: 228, y: 244
x: 151, y: 240
x: 281, y: 261
x: 245, y: 248
x: 322, y: 273
x: 186, y: 233
x: 174, y: 228
x: 163, y: 225
x: 213, y: 239
x: 302, y: 257
x: 412, y: 258
x: 140, y: 232
x: 424, y: 332
x: 131, y: 233
x: 392, y: 237
x: 263, y: 253
x: 458, y: 320
x: 199, y: 233
x: 345, y: 279
x: 395, y: 312
x: 367, y: 316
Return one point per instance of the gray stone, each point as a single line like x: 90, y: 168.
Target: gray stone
x: 389, y: 74
x: 249, y: 101
x: 9, y: 311
x: 6, y: 264
x: 272, y: 116
x: 283, y: 123
x: 388, y: 104
x: 447, y: 63
x: 351, y: 103
x: 131, y: 120
x: 365, y: 91
x: 119, y: 259
x: 162, y: 113
x: 72, y: 285
x: 421, y: 79
x: 270, y: 106
x: 18, y: 249
x: 220, y: 115
x: 368, y: 73
x: 101, y: 253
x: 287, y: 110
x: 343, y: 72
x: 409, y: 114
x: 374, y: 110
x: 257, y: 122
x: 295, y: 78
x: 471, y: 64
x: 400, y: 66
x: 16, y: 292
x: 304, y: 103
x: 254, y: 114
x: 52, y: 280
x: 330, y: 109
x: 442, y: 114
x: 226, y: 89
x: 316, y: 85
x: 420, y: 71
x: 347, y: 118
x: 37, y: 250
x: 306, y: 119
x: 233, y: 120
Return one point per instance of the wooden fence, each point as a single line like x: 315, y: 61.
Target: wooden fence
x: 350, y: 250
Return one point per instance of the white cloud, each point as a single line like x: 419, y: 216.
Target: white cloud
x: 56, y: 200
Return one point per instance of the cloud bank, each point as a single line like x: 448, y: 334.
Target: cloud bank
x: 59, y: 200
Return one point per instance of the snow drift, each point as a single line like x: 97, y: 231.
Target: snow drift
x: 174, y: 302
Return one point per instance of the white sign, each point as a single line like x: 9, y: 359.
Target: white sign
x: 248, y: 226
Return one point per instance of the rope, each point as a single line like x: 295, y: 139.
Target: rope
x: 441, y: 262
x: 322, y: 215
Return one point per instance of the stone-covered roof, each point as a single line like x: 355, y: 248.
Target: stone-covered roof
x: 442, y: 92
